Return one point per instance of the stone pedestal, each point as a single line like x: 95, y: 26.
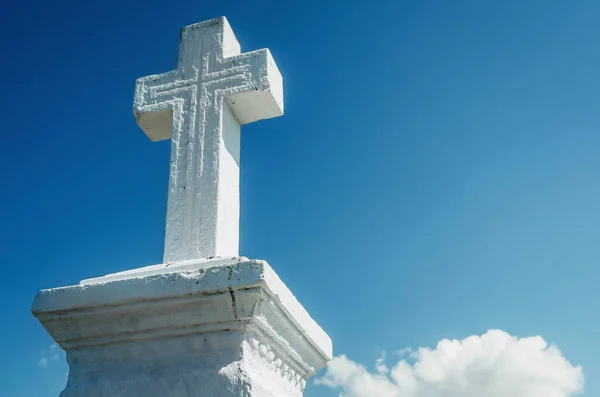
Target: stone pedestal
x: 210, y: 328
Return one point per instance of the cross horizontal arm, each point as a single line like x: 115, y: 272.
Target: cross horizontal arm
x: 262, y: 97
x: 155, y: 101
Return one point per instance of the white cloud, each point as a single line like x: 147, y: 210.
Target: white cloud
x: 494, y: 364
x: 52, y: 353
x: 43, y: 362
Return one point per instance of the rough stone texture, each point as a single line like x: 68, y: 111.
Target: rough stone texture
x: 193, y: 327
x: 201, y: 106
x: 221, y: 327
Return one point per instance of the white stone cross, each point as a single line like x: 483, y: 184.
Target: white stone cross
x: 201, y: 106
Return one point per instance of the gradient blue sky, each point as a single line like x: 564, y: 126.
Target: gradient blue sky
x: 436, y: 173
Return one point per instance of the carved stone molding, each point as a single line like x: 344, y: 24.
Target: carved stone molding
x: 221, y: 327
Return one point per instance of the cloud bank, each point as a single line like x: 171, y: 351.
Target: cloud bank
x: 494, y: 364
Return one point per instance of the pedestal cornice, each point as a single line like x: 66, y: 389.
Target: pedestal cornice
x: 200, y: 316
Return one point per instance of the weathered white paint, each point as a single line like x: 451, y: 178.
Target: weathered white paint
x: 225, y: 327
x: 201, y: 106
x: 194, y: 326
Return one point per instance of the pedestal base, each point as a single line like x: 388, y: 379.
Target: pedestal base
x: 199, y: 328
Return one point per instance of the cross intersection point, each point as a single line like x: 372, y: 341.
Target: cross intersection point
x: 200, y: 106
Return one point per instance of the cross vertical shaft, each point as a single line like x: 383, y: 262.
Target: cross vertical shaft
x: 201, y: 106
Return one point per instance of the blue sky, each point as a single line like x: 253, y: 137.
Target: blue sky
x: 435, y: 174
